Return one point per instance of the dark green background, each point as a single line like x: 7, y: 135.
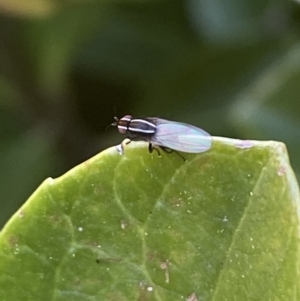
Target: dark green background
x: 231, y: 67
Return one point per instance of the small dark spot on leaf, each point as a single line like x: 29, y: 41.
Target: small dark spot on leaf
x: 13, y: 240
x: 108, y: 260
x: 21, y: 214
x: 76, y: 282
x: 98, y: 190
x: 151, y: 256
x: 55, y: 219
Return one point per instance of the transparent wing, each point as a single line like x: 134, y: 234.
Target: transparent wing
x: 181, y: 137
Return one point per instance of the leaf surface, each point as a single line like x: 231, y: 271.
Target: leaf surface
x: 221, y: 226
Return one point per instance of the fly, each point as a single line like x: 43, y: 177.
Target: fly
x: 168, y: 135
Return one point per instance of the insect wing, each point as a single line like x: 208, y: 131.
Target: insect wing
x: 181, y: 137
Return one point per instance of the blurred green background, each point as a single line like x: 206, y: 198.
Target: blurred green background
x: 231, y: 67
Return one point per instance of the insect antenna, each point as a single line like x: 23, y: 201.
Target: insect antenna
x: 115, y: 123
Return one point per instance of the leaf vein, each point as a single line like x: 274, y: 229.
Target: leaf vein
x: 234, y: 237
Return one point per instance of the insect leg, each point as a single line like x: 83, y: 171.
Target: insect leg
x: 151, y: 148
x: 169, y: 151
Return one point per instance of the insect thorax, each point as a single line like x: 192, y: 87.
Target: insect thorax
x: 141, y: 128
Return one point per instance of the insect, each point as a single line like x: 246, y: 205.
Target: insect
x: 167, y: 135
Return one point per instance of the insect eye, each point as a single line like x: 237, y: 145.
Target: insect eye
x: 122, y: 123
x: 122, y: 129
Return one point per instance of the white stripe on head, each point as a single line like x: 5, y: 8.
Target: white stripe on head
x: 125, y: 119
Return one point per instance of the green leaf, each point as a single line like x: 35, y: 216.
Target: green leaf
x: 221, y: 226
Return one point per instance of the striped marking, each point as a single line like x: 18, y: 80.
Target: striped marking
x: 125, y: 119
x: 122, y: 127
x: 141, y: 130
x: 144, y: 122
x: 139, y: 127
